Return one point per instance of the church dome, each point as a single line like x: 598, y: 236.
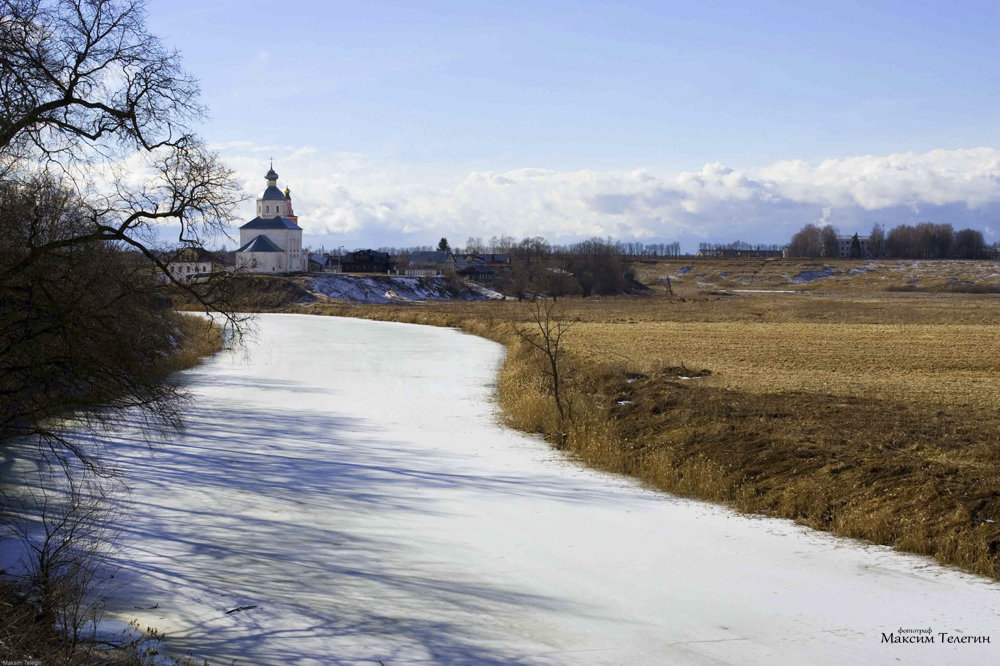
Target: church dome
x: 272, y: 193
x: 271, y: 175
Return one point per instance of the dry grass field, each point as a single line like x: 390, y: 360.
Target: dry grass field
x: 927, y: 364
x: 840, y: 277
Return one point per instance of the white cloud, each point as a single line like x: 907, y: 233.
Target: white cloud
x: 381, y: 202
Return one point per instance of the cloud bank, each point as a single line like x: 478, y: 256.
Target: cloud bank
x: 353, y: 200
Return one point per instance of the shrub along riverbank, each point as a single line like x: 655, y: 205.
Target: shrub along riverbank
x: 889, y: 435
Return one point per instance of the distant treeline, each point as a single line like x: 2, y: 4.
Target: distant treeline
x: 740, y: 249
x: 537, y: 267
x: 922, y: 241
x: 590, y: 267
x: 535, y: 244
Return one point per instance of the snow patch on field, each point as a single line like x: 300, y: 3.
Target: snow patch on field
x: 381, y: 289
x: 812, y: 276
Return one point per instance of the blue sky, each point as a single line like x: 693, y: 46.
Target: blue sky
x: 372, y: 102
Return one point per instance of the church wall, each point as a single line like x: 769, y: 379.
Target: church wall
x: 274, y: 208
x: 261, y: 262
x: 278, y: 236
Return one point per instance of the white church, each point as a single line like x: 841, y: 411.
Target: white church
x: 272, y: 241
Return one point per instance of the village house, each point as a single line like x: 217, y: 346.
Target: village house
x: 272, y: 241
x: 366, y: 261
x: 482, y: 268
x: 498, y: 262
x: 430, y: 264
x: 194, y: 261
x: 477, y: 271
x: 317, y: 262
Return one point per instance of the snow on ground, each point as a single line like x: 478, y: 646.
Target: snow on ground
x: 762, y: 291
x: 348, y: 479
x: 394, y: 289
x: 804, y: 277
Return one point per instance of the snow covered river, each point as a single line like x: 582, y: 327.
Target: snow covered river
x: 348, y: 480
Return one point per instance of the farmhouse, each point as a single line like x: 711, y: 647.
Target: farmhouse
x: 430, y: 264
x: 482, y: 268
x: 366, y: 261
x: 272, y: 241
x: 190, y: 261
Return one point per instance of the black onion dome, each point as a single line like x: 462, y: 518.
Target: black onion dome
x: 271, y: 175
x: 272, y: 193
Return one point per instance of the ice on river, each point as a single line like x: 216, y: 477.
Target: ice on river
x: 349, y: 480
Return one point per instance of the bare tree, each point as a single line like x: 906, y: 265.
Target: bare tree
x: 807, y: 242
x: 96, y: 151
x: 876, y: 241
x: 829, y: 238
x: 474, y: 245
x: 65, y: 525
x: 544, y: 331
x: 97, y: 103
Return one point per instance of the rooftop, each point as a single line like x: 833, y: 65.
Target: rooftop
x: 430, y: 258
x: 270, y: 223
x: 272, y: 193
x: 260, y: 244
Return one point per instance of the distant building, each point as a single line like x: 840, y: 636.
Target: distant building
x: 844, y: 247
x: 477, y: 272
x: 272, y: 241
x: 482, y: 268
x: 366, y: 261
x: 430, y: 264
x: 318, y: 262
x: 191, y: 261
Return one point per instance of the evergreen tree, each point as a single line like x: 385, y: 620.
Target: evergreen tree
x: 855, y: 247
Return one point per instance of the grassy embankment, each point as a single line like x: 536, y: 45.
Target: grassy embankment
x: 198, y: 338
x: 872, y: 418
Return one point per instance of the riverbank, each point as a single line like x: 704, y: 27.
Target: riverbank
x: 871, y: 419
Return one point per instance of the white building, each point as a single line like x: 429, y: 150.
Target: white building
x: 194, y: 261
x: 844, y: 246
x: 272, y: 241
x: 429, y: 264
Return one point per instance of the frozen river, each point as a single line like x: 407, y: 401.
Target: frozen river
x: 348, y: 480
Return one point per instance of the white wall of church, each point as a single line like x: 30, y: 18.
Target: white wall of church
x: 279, y: 237
x: 290, y: 240
x: 274, y: 208
x: 261, y: 262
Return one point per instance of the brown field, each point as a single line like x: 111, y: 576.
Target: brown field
x: 921, y: 363
x: 846, y: 277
